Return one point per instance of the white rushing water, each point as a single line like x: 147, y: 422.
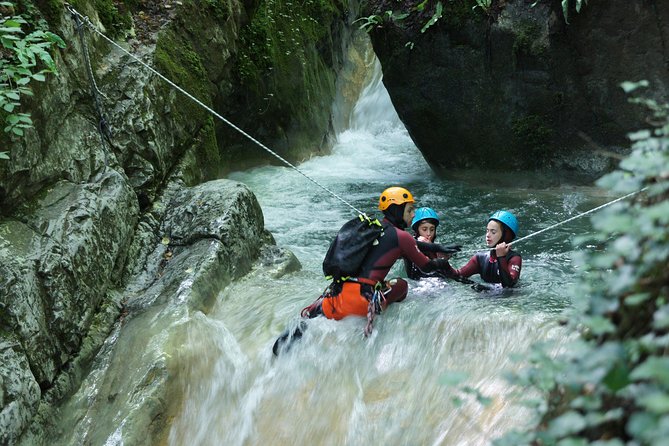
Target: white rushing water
x: 336, y: 387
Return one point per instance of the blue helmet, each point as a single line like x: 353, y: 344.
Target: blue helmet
x: 424, y: 214
x: 507, y: 218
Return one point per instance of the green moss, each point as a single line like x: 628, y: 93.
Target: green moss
x: 115, y: 15
x: 457, y: 12
x: 203, y: 162
x: 52, y: 10
x: 528, y: 39
x: 177, y: 60
x: 533, y: 135
x: 276, y: 43
x: 221, y: 9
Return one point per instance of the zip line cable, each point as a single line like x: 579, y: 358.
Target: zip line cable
x: 88, y: 23
x: 583, y: 214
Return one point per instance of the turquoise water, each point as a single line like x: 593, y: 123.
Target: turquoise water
x: 336, y: 386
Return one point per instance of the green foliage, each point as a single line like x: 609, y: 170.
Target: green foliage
x: 527, y: 38
x: 280, y: 34
x: 532, y: 133
x: 455, y: 379
x: 565, y: 7
x: 375, y: 20
x: 611, y: 384
x: 281, y: 58
x: 438, y: 10
x: 483, y: 4
x: 396, y: 16
x: 25, y: 58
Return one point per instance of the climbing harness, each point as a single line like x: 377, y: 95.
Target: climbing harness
x: 88, y: 23
x: 583, y: 214
x: 374, y: 308
x: 375, y: 301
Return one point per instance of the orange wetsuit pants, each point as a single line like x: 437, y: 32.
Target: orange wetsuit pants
x: 347, y: 303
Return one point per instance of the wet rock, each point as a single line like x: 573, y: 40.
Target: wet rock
x: 515, y: 87
x: 19, y: 392
x: 215, y: 234
x: 58, y: 258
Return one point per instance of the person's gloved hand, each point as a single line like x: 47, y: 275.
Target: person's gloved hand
x: 450, y: 249
x: 437, y: 265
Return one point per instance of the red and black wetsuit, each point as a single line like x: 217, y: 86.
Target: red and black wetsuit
x: 395, y: 243
x: 505, y: 270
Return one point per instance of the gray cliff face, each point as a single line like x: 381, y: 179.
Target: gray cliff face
x: 517, y: 87
x: 97, y: 233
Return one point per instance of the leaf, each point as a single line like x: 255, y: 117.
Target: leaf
x: 653, y: 368
x: 661, y: 318
x: 617, y: 378
x: 4, y: 156
x: 640, y: 423
x: 599, y: 325
x: 17, y: 131
x: 48, y: 61
x: 9, y: 107
x: 436, y: 16
x: 568, y: 423
x: 636, y: 299
x: 54, y: 38
x: 573, y: 442
x: 628, y: 86
x: 39, y: 77
x: 565, y: 10
x: 656, y: 402
x: 13, y: 119
x: 11, y: 26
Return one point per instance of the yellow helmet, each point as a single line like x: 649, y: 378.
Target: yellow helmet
x: 394, y: 195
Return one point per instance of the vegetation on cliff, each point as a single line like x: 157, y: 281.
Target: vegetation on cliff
x: 24, y: 57
x: 610, y: 386
x: 286, y: 69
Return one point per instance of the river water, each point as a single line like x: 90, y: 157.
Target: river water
x: 398, y: 387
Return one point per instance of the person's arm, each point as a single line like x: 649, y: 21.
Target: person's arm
x: 409, y: 249
x: 509, y: 270
x: 470, y: 268
x: 437, y: 247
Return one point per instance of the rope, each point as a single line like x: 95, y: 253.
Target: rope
x: 103, y: 127
x: 87, y: 22
x: 515, y: 242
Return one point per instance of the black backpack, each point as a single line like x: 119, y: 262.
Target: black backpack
x: 350, y: 247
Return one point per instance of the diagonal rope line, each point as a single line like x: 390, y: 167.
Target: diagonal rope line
x: 583, y: 214
x: 88, y: 23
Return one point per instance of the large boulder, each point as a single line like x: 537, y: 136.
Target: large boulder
x: 60, y: 255
x: 515, y: 86
x: 209, y: 235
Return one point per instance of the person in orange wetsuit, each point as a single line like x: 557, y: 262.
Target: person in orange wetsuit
x: 353, y: 296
